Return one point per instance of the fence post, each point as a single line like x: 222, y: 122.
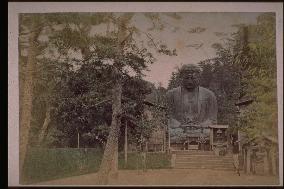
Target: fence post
x: 169, y: 139
x: 274, y: 159
x: 173, y: 160
x: 125, y: 144
x: 78, y: 139
x: 245, y: 160
x: 164, y: 139
x: 248, y: 161
x: 266, y: 163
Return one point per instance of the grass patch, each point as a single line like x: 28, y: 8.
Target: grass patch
x: 44, y: 164
x: 153, y: 161
x: 47, y: 164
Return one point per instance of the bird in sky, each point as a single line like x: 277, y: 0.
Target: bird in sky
x: 220, y: 34
x: 197, y: 30
x: 196, y: 46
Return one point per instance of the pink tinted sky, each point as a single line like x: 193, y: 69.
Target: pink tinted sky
x: 180, y: 39
x: 161, y: 70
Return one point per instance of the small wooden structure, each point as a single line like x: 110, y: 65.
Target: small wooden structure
x: 158, y: 140
x: 255, y: 155
x: 259, y: 159
x: 219, y: 138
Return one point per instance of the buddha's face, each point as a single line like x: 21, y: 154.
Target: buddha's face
x: 190, y: 80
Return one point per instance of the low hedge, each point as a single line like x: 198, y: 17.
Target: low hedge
x: 47, y: 164
x: 44, y: 164
x: 156, y: 160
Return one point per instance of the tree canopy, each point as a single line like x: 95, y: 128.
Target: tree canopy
x: 245, y: 67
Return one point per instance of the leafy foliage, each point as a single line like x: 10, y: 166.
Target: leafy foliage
x: 79, y: 90
x: 261, y: 116
x: 245, y: 66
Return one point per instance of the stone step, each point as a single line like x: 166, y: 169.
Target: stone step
x: 203, y: 155
x: 204, y: 165
x: 200, y: 154
x: 192, y: 152
x: 204, y: 162
x: 203, y: 158
x: 215, y: 168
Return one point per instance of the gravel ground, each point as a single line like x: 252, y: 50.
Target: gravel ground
x: 172, y: 177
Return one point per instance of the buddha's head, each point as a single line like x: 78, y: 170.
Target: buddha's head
x: 190, y: 75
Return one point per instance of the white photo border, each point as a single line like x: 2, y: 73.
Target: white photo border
x: 14, y: 8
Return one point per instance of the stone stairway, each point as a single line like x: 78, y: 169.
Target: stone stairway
x: 202, y: 160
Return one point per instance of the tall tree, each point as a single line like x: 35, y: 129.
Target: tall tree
x: 261, y: 117
x: 249, y: 61
x: 30, y: 29
x: 128, y: 54
x: 117, y: 51
x: 32, y: 63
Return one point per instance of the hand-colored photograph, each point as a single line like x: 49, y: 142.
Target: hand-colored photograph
x: 148, y: 98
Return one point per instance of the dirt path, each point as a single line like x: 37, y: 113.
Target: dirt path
x: 171, y: 177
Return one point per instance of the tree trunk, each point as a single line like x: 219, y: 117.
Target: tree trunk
x: 45, y: 125
x: 85, y: 52
x: 110, y: 157
x: 125, y: 144
x: 109, y: 165
x: 27, y: 97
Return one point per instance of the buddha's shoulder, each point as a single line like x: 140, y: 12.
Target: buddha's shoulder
x: 206, y: 91
x: 174, y: 90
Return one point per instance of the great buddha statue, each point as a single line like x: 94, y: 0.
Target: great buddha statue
x: 192, y: 108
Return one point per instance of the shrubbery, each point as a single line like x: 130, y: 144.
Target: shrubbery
x: 47, y: 164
